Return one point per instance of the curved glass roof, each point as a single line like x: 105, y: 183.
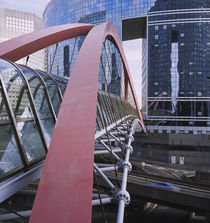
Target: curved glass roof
x: 29, y: 104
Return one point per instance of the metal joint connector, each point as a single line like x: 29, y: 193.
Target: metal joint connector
x: 125, y: 147
x: 130, y: 137
x: 122, y: 195
x: 123, y: 164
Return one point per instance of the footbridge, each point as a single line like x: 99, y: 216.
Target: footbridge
x: 69, y: 132
x: 76, y: 134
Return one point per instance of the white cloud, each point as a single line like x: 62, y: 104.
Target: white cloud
x: 36, y: 6
x: 133, y: 53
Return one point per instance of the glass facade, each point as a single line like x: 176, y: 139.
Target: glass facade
x: 178, y: 69
x: 175, y: 71
x: 60, y: 12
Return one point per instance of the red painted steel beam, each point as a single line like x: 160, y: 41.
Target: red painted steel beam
x: 27, y: 44
x: 65, y: 189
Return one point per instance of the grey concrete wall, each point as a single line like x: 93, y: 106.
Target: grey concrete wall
x: 152, y: 154
x: 191, y: 158
x: 173, y: 139
x: 196, y: 159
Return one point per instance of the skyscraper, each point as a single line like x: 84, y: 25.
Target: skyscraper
x: 14, y: 23
x: 175, y: 49
x: 178, y: 86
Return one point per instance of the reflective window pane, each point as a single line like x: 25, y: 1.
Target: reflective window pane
x: 10, y: 159
x: 41, y: 103
x: 26, y: 124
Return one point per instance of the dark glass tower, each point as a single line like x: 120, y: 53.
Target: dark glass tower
x: 178, y: 66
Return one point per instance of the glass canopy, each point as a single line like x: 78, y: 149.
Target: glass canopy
x: 29, y: 105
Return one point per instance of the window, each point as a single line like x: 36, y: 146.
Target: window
x: 66, y: 60
x: 174, y: 36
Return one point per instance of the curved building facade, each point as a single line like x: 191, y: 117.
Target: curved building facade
x: 60, y: 12
x: 175, y: 49
x: 178, y: 86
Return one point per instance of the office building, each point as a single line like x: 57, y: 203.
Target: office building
x: 16, y: 23
x: 175, y: 49
x: 177, y: 78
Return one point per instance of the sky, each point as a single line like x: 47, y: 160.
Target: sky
x: 34, y: 6
x: 132, y: 49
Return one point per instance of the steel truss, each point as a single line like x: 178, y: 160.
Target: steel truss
x: 117, y: 143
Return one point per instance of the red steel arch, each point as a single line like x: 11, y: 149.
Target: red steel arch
x: 25, y: 45
x: 65, y: 189
x: 22, y: 46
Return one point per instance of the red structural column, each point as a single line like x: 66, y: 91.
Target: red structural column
x: 65, y: 189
